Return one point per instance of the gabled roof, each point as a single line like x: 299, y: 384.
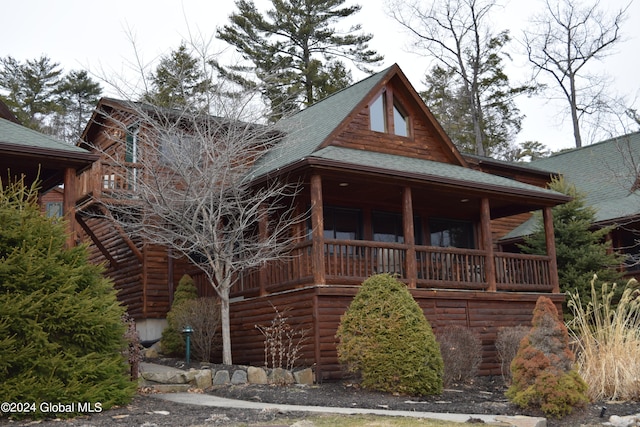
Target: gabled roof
x: 311, y: 129
x: 607, y: 173
x: 309, y: 133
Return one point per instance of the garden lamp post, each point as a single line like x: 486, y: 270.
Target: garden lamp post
x: 187, y: 331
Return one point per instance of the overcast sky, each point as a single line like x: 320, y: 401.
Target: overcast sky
x: 96, y: 35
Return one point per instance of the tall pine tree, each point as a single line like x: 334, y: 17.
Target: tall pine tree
x: 295, y: 50
x: 61, y: 328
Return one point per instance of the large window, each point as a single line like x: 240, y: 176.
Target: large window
x: 342, y: 223
x: 451, y: 233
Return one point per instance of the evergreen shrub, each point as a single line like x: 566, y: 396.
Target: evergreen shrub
x: 172, y: 342
x: 461, y: 351
x: 543, y: 371
x: 61, y: 328
x: 386, y: 339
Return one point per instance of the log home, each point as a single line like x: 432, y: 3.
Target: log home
x: 387, y: 191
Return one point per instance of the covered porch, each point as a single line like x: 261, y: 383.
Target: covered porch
x: 429, y: 236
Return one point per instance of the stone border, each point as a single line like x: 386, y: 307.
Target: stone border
x: 173, y: 379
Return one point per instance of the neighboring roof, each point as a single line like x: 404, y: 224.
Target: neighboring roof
x: 25, y: 151
x: 606, y: 173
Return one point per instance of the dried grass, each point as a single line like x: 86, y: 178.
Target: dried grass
x: 607, y: 339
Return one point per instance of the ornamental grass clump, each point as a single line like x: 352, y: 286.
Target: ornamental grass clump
x: 607, y: 335
x: 543, y: 370
x: 385, y: 338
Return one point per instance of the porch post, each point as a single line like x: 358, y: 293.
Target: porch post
x: 409, y: 239
x: 317, y: 230
x: 263, y: 233
x: 550, y: 242
x: 69, y: 204
x: 487, y: 242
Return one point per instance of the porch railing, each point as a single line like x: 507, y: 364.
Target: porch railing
x: 349, y: 262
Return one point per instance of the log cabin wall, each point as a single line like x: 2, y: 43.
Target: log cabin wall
x: 127, y: 273
x: 483, y: 312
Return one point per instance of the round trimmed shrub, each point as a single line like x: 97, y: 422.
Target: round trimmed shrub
x: 386, y: 339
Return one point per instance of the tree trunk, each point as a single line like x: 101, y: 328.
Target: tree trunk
x: 574, y: 113
x: 226, y: 328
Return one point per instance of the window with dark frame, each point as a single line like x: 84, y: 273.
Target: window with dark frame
x: 451, y: 233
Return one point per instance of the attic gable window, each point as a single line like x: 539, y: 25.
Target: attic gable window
x: 383, y: 120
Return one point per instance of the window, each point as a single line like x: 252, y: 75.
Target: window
x: 342, y: 223
x: 131, y: 156
x: 378, y: 113
x: 400, y: 122
x: 54, y: 209
x: 451, y: 233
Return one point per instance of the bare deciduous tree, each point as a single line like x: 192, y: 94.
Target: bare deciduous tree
x: 562, y: 40
x: 458, y: 34
x: 185, y: 183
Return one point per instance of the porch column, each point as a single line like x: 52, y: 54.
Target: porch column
x: 263, y: 235
x: 487, y: 242
x: 317, y: 232
x: 409, y: 239
x: 550, y: 242
x: 69, y: 205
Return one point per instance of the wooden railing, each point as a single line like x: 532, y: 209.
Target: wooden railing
x: 451, y: 268
x: 104, y: 177
x: 351, y: 262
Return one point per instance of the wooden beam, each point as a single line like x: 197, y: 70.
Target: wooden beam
x: 317, y: 233
x: 487, y: 242
x: 96, y: 241
x: 409, y: 237
x: 550, y: 242
x: 123, y: 234
x: 69, y: 205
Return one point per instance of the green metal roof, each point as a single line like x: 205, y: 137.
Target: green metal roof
x: 427, y: 169
x: 20, y: 136
x: 605, y: 172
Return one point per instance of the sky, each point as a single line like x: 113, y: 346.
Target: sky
x: 100, y: 37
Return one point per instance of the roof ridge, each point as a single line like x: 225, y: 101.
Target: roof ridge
x: 584, y: 147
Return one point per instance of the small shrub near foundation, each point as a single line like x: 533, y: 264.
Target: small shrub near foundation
x: 283, y: 343
x: 386, y: 339
x: 461, y: 351
x: 203, y: 315
x: 543, y: 369
x: 507, y: 344
x: 172, y: 342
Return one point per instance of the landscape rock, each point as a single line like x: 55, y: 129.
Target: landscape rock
x: 304, y: 376
x: 239, y: 377
x: 204, y: 379
x: 221, y: 377
x: 168, y: 377
x: 281, y: 376
x: 256, y: 375
x: 627, y: 421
